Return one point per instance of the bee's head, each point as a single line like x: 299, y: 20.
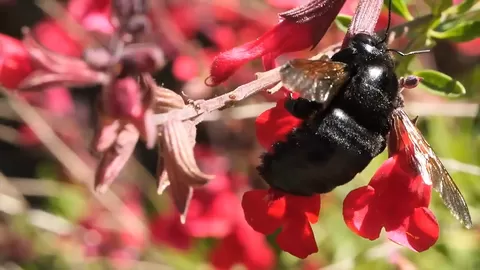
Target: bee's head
x: 367, y: 44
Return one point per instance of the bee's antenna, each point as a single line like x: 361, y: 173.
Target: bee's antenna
x: 389, y: 21
x: 409, y: 53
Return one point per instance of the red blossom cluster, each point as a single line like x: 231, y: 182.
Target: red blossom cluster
x: 108, y: 47
x: 117, y: 239
x: 215, y: 212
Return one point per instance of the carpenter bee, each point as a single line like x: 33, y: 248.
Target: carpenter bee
x: 349, y: 104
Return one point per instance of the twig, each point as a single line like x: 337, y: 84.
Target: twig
x: 421, y: 109
x: 34, y: 187
x: 266, y: 79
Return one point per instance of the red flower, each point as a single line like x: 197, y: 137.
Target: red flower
x: 268, y: 210
x: 396, y: 199
x: 167, y: 229
x: 274, y: 124
x: 14, y: 62
x: 92, y: 15
x: 294, y: 33
x: 243, y: 245
x: 210, y: 212
x: 121, y: 246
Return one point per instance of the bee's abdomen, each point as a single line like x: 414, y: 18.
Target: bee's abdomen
x: 321, y: 154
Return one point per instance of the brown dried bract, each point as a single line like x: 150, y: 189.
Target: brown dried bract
x: 177, y: 167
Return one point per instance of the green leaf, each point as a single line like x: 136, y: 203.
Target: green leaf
x: 460, y: 32
x: 476, y: 124
x: 461, y: 8
x: 438, y: 6
x: 440, y: 83
x: 400, y: 7
x: 343, y: 21
x: 70, y: 202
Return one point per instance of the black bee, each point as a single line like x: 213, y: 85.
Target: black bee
x: 348, y: 105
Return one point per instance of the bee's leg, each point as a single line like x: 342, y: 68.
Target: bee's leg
x: 300, y: 107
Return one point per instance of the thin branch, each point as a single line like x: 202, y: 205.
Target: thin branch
x: 191, y: 111
x: 453, y: 109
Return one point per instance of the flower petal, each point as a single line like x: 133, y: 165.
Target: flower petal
x: 304, y: 205
x: 360, y: 214
x: 227, y: 253
x: 14, y: 62
x: 418, y: 232
x: 274, y: 124
x: 263, y: 211
x: 297, y: 238
x: 286, y: 36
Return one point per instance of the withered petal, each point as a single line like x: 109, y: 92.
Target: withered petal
x: 179, y: 148
x: 116, y: 157
x: 162, y: 174
x: 106, y: 135
x: 163, y: 99
x: 149, y: 130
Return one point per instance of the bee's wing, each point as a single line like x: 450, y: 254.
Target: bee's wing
x: 430, y: 167
x: 315, y: 80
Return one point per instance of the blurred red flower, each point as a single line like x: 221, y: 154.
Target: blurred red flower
x: 92, y: 15
x: 396, y: 199
x: 57, y: 104
x: 296, y: 31
x: 469, y: 48
x: 212, y: 211
x: 14, y: 62
x: 243, y: 246
x: 103, y: 236
x: 167, y: 229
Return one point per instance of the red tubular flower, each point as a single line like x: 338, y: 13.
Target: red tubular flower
x: 274, y: 124
x: 299, y: 29
x: 14, y: 62
x: 268, y: 210
x: 396, y: 199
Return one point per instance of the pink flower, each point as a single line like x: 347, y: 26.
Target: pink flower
x: 299, y: 29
